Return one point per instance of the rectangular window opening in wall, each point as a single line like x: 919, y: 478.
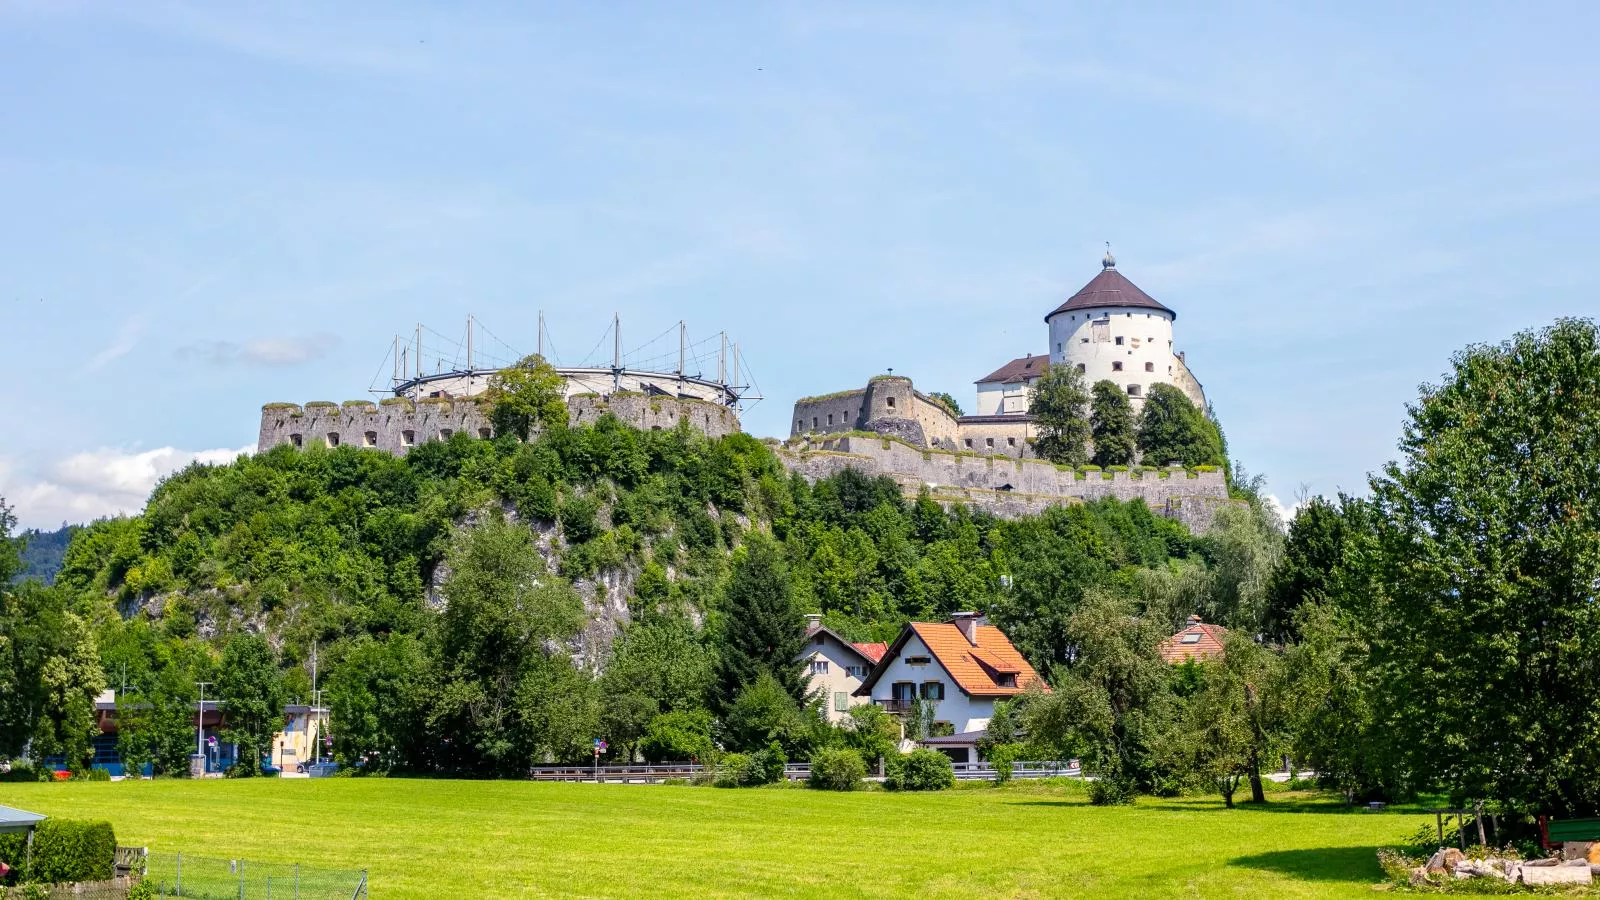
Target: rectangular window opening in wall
x: 1169, y: 370
x: 296, y: 441
x: 1134, y: 390
x: 444, y: 434
x: 1116, y: 365
x: 407, y: 438
x: 485, y: 433
x: 933, y: 690
x: 1149, y: 367
x: 814, y: 422
x: 332, y: 439
x: 988, y: 442
x: 1119, y: 340
x: 1058, y: 346
x: 1011, y: 442
x: 1082, y: 367
x: 918, y: 660
x: 969, y: 443
x: 830, y: 418
x: 799, y: 423
x: 889, y: 401
x: 819, y: 667
x: 370, y: 439
x: 1084, y: 341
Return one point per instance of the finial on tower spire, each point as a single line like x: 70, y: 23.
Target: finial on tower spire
x: 1110, y: 262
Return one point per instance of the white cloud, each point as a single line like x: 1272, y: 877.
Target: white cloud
x: 271, y: 352
x: 1286, y: 514
x: 98, y: 483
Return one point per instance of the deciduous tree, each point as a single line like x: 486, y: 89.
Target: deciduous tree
x: 1059, y: 405
x: 1113, y: 425
x: 1173, y: 429
x: 525, y: 396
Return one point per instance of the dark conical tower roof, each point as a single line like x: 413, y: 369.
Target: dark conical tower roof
x: 1109, y: 288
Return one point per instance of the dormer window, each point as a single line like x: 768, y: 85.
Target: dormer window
x: 1008, y: 680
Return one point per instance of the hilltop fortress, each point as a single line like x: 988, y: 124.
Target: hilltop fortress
x: 1110, y: 330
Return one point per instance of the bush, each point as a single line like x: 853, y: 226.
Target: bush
x: 837, y: 770
x: 730, y: 771
x: 920, y: 770
x: 1112, y: 790
x: 22, y: 771
x: 142, y: 891
x: 1003, y: 757
x: 92, y: 774
x: 65, y: 850
x: 766, y: 766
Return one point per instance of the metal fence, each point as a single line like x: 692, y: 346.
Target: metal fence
x: 212, y: 878
x: 793, y: 772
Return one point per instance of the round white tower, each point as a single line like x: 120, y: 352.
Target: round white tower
x: 1112, y: 331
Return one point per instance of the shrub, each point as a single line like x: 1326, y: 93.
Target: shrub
x: 1112, y: 790
x: 766, y: 766
x: 920, y: 770
x: 92, y: 774
x: 66, y: 850
x: 1003, y: 757
x: 837, y: 770
x: 142, y: 891
x: 20, y: 771
x: 730, y: 771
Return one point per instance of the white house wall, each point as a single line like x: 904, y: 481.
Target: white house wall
x: 837, y: 679
x: 964, y: 713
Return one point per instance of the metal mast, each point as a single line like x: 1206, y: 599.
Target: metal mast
x: 541, y: 334
x: 682, y: 338
x: 722, y: 361
x: 616, y: 352
x: 469, y: 343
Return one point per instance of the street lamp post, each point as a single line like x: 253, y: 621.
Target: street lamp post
x: 200, y: 727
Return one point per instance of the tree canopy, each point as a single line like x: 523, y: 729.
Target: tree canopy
x: 1173, y: 429
x: 1113, y: 425
x: 1059, y: 405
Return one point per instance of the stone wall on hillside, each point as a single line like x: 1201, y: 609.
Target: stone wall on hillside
x: 396, y: 424
x: 1004, y: 486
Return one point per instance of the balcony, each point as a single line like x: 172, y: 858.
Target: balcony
x: 897, y: 706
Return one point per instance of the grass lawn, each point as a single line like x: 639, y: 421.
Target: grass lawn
x: 431, y: 839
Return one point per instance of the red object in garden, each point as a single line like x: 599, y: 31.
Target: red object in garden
x: 61, y: 774
x: 4, y: 870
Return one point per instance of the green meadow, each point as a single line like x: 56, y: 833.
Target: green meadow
x: 437, y: 838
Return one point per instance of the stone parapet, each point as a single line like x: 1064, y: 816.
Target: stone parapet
x: 1007, y: 486
x: 396, y: 424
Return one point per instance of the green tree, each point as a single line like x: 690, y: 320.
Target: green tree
x: 871, y: 731
x: 1059, y: 405
x: 1312, y: 555
x: 948, y: 401
x: 1173, y: 429
x: 250, y: 688
x: 378, y: 694
x: 528, y: 395
x: 69, y: 682
x: 1112, y: 425
x: 765, y: 712
x: 763, y: 629
x: 1243, y: 546
x: 1112, y: 704
x: 499, y: 661
x: 1237, y: 722
x: 680, y: 736
x: 1489, y: 541
x: 10, y: 548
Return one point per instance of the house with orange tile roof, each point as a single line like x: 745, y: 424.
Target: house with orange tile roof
x: 836, y: 667
x: 1198, y: 640
x: 962, y: 667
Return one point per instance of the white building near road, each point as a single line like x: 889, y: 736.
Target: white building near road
x: 837, y: 668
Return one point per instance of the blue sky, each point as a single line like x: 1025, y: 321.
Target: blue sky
x: 211, y: 206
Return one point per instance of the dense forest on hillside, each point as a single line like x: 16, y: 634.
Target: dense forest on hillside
x: 375, y: 559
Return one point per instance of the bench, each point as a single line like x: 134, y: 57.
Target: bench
x: 1555, y: 831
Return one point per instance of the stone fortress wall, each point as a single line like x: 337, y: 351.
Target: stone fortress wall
x: 1007, y: 486
x: 891, y: 405
x: 396, y: 424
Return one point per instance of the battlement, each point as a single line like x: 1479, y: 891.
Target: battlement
x: 1008, y: 486
x: 396, y: 424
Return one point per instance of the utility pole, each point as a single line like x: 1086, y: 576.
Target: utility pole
x: 200, y: 726
x: 316, y: 705
x: 616, y: 352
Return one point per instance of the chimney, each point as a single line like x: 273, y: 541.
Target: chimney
x: 968, y: 623
x: 813, y: 622
x: 1194, y: 620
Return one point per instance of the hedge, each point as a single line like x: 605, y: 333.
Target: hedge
x: 64, y: 850
x: 920, y: 770
x: 840, y: 769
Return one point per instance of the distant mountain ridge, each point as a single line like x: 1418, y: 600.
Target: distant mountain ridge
x: 42, y: 552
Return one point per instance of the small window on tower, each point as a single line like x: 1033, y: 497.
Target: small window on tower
x: 1011, y: 442
x: 890, y: 401
x: 1116, y: 365
x: 1058, y: 346
x: 295, y: 440
x: 485, y: 433
x: 1149, y: 367
x: 1119, y: 340
x: 830, y: 418
x: 988, y: 442
x: 407, y: 438
x: 370, y: 439
x: 969, y: 443
x: 333, y: 439
x: 1133, y: 390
